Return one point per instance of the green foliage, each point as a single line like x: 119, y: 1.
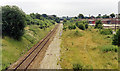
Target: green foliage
x: 64, y: 20
x: 12, y: 49
x: 77, y: 67
x: 107, y: 48
x: 105, y: 16
x: 81, y: 26
x: 64, y: 28
x: 72, y: 27
x: 81, y: 16
x: 106, y: 31
x: 57, y: 20
x: 44, y: 15
x: 43, y: 21
x: 86, y: 25
x: 13, y: 20
x: 112, y: 15
x: 99, y: 24
x: 116, y: 39
x: 29, y: 19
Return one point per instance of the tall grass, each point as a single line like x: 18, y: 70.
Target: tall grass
x: 108, y: 48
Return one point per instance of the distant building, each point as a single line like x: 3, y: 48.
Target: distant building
x: 104, y: 21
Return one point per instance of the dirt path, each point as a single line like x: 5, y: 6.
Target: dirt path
x: 50, y: 61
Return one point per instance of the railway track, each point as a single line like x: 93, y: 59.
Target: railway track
x: 25, y: 62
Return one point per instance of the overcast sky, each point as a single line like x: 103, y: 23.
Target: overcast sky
x: 65, y: 7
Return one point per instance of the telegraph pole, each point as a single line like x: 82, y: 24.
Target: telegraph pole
x: 115, y: 24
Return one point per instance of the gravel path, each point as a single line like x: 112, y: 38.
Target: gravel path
x: 50, y: 61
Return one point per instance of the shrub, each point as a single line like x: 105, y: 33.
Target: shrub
x: 78, y: 22
x: 13, y: 20
x: 86, y: 25
x: 81, y: 26
x: 64, y: 28
x: 116, y: 39
x: 106, y: 31
x: 77, y: 67
x: 72, y: 27
x: 107, y: 48
x: 64, y: 20
x: 98, y: 24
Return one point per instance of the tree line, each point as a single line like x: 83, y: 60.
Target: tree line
x: 14, y: 21
x: 81, y: 16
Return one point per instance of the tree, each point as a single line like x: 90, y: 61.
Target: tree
x: 81, y: 16
x: 112, y: 15
x: 44, y: 15
x: 13, y: 20
x: 86, y: 25
x: 105, y: 16
x: 33, y: 15
x: 54, y: 16
x: 38, y: 16
x: 99, y: 24
x: 81, y: 26
x: 98, y: 17
x: 116, y: 39
x: 75, y: 17
x: 29, y: 19
x: 64, y: 20
x: 57, y: 20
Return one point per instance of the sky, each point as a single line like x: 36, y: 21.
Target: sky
x: 65, y: 7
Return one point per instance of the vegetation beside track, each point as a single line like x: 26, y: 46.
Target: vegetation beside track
x: 13, y: 49
x: 21, y: 31
x: 90, y: 50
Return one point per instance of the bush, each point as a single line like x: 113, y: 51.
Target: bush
x: 77, y: 67
x: 106, y: 31
x: 72, y: 27
x: 81, y: 26
x: 13, y: 20
x: 116, y: 39
x: 64, y: 28
x: 64, y: 20
x: 98, y: 24
x: 107, y: 48
x: 86, y: 25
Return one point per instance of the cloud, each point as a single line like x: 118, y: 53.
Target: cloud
x: 65, y: 7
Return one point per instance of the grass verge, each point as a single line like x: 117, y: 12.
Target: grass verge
x: 12, y: 49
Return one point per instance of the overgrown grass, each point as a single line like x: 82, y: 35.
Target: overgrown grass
x: 12, y: 49
x: 75, y: 33
x: 106, y: 31
x: 108, y: 48
x: 92, y: 50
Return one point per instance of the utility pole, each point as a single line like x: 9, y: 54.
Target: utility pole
x: 115, y: 22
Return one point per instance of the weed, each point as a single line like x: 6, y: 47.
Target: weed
x: 77, y: 67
